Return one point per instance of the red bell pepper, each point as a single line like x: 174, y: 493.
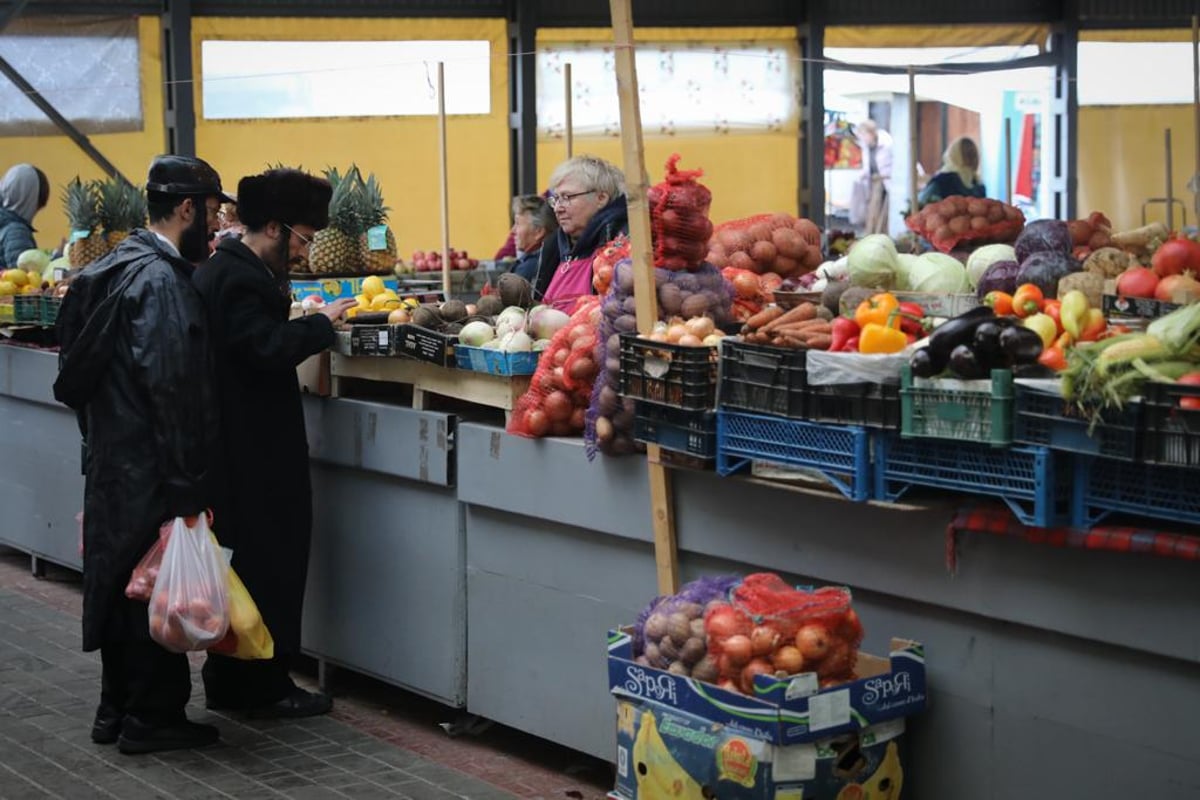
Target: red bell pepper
x: 911, y: 317
x: 843, y: 330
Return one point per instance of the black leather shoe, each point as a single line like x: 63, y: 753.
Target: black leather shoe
x: 297, y: 704
x: 138, y: 737
x: 106, y: 728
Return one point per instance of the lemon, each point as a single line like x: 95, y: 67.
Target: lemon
x: 378, y: 302
x: 7, y: 288
x: 18, y: 277
x: 411, y: 302
x: 363, y: 301
x: 372, y: 286
x: 35, y: 278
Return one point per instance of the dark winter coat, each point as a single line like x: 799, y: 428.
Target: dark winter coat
x: 16, y: 236
x: 134, y: 366
x: 262, y: 491
x: 604, y: 226
x: 948, y: 184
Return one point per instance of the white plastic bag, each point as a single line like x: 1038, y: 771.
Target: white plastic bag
x: 189, y: 607
x: 826, y: 368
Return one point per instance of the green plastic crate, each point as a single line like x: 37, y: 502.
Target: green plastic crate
x: 27, y: 309
x: 947, y: 409
x: 49, y: 309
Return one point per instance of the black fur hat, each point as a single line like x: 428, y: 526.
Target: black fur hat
x: 288, y: 196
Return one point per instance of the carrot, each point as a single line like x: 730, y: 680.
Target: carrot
x: 820, y: 341
x: 763, y: 317
x: 801, y: 313
x: 802, y: 327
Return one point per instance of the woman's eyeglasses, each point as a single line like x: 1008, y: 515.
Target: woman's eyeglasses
x: 557, y: 200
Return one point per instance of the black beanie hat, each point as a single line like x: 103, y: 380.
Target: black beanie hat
x: 288, y: 196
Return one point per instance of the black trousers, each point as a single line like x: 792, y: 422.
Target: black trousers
x: 139, y: 677
x: 243, y: 683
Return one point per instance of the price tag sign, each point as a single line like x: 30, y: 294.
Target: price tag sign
x: 377, y: 238
x: 77, y: 235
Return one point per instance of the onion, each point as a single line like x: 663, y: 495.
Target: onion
x: 758, y: 666
x: 676, y: 332
x: 788, y: 659
x: 475, y: 334
x: 813, y: 641
x: 699, y: 326
x: 738, y: 649
x: 763, y: 640
x: 545, y: 321
x: 517, y: 341
x: 688, y: 340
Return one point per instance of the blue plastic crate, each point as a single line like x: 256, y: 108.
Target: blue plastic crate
x: 1032, y: 481
x: 691, y: 432
x: 495, y: 362
x: 1105, y: 486
x: 841, y: 453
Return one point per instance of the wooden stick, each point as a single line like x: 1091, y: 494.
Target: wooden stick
x: 441, y: 111
x: 912, y: 142
x: 569, y: 123
x: 666, y: 556
x: 1008, y: 187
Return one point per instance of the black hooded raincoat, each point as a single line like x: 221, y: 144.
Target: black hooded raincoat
x: 134, y: 366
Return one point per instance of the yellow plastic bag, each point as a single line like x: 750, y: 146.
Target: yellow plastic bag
x: 248, y: 637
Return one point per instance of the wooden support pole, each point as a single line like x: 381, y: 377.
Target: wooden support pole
x: 662, y: 511
x: 569, y: 123
x: 913, y: 144
x: 445, y: 176
x: 1008, y: 182
x: 1170, y: 184
x: 1195, y: 182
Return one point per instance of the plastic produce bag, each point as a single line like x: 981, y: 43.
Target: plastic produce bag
x: 189, y: 606
x: 145, y: 574
x: 679, y: 221
x: 247, y: 637
x: 669, y: 633
x: 824, y: 368
x: 780, y: 243
x: 771, y: 628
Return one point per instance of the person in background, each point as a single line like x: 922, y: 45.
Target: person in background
x: 959, y: 175
x: 134, y: 366
x: 24, y: 191
x: 533, y: 221
x: 588, y: 198
x: 230, y: 225
x: 874, y: 185
x: 262, y: 495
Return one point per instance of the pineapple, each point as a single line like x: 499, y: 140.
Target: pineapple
x: 81, y: 201
x: 122, y: 208
x: 376, y: 262
x: 335, y: 249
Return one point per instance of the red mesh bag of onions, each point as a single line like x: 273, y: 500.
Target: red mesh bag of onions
x: 605, y: 261
x: 703, y: 292
x: 669, y: 633
x: 978, y: 220
x: 558, y: 396
x: 778, y: 243
x: 771, y: 628
x: 679, y: 222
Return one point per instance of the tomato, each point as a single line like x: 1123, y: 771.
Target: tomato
x: 1054, y: 358
x: 1190, y: 402
x: 1137, y: 282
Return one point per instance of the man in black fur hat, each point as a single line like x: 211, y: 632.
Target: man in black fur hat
x: 262, y: 497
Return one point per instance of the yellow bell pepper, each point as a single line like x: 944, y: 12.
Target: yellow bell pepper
x: 879, y: 309
x: 876, y: 338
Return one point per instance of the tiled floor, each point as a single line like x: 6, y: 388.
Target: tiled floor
x: 379, y: 742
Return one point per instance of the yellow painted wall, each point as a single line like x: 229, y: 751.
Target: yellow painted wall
x: 130, y: 152
x: 401, y: 151
x: 1122, y: 160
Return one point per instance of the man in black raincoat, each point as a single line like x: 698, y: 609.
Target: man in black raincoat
x: 262, y: 497
x: 135, y: 367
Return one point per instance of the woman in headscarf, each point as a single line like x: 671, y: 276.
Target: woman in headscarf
x: 959, y: 175
x: 24, y: 191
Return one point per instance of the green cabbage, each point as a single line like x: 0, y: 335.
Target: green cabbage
x: 979, y: 261
x: 938, y: 273
x: 904, y: 265
x: 872, y: 262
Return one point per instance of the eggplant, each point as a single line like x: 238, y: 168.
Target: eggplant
x: 986, y: 342
x: 923, y: 365
x: 965, y: 364
x: 960, y: 330
x: 1021, y: 345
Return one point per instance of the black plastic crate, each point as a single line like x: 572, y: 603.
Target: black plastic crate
x: 1170, y: 431
x: 763, y: 379
x: 691, y: 432
x: 1044, y: 418
x: 871, y: 405
x: 670, y: 374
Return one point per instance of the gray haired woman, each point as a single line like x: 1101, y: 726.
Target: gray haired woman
x: 533, y: 221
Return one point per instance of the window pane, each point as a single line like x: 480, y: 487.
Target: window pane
x: 1134, y: 73
x: 288, y: 80
x: 86, y: 68
x: 716, y: 88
